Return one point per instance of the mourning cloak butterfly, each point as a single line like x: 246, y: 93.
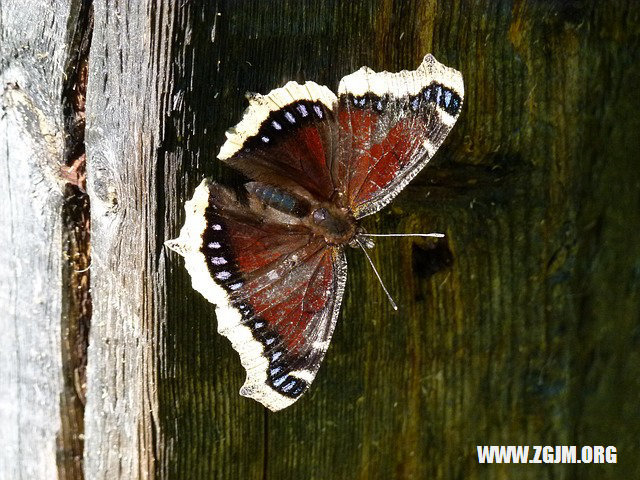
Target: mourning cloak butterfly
x: 272, y: 258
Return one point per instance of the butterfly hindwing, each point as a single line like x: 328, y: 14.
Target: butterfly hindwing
x: 391, y: 124
x: 277, y: 290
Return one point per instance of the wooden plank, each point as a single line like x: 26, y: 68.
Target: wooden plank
x: 157, y: 374
x: 505, y: 333
x: 491, y: 345
x: 36, y: 44
x: 120, y: 371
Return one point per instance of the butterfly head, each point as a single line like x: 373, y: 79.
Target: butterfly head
x: 337, y: 225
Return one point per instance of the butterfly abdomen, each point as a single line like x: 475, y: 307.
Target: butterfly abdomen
x: 279, y: 199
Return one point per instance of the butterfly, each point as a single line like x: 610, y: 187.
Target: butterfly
x: 272, y: 256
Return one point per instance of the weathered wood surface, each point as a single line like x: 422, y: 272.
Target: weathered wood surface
x: 516, y: 330
x: 520, y: 328
x: 40, y: 422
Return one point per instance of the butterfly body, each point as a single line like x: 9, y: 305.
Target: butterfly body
x: 280, y: 199
x: 336, y: 225
x: 272, y: 259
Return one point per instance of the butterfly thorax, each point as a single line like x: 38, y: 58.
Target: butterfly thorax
x: 336, y: 224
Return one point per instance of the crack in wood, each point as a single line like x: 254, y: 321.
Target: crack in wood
x: 76, y: 313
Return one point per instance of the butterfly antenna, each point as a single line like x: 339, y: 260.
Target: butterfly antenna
x: 436, y: 235
x: 393, y: 304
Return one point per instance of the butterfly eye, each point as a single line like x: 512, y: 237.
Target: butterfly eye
x: 320, y: 215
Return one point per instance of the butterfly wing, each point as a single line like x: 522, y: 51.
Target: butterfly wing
x: 391, y: 124
x: 287, y: 138
x: 277, y: 289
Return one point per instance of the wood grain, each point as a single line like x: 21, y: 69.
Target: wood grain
x: 40, y: 421
x: 519, y: 328
x: 155, y: 366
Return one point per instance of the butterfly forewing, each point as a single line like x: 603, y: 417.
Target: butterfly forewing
x: 391, y: 124
x: 287, y: 138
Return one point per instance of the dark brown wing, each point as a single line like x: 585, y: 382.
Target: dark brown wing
x: 277, y: 289
x: 287, y: 138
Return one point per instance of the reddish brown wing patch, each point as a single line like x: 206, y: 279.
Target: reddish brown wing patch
x: 287, y: 138
x: 378, y: 154
x: 384, y: 161
x: 353, y: 147
x: 256, y: 246
x: 300, y: 298
x: 295, y: 156
x: 391, y: 124
x: 286, y: 283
